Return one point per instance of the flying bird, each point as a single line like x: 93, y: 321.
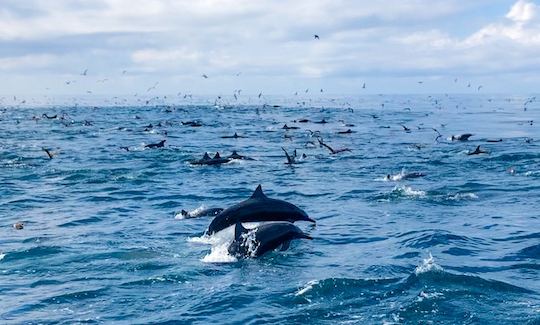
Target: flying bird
x: 84, y: 72
x: 204, y: 76
x: 316, y: 36
x: 153, y: 87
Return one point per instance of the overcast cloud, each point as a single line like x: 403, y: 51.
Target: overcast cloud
x: 268, y: 46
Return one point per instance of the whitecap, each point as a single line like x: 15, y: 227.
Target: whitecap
x: 428, y: 265
x: 408, y: 191
x: 428, y: 295
x: 463, y: 196
x: 2, y: 256
x: 307, y: 287
x: 533, y: 173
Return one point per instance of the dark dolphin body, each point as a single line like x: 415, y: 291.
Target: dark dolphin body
x: 476, y: 151
x: 256, y: 209
x: 206, y: 160
x: 203, y: 213
x: 407, y: 176
x: 235, y: 136
x: 265, y: 238
x: 160, y: 144
x: 235, y: 155
x: 461, y: 137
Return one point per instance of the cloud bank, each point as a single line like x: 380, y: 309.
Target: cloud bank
x: 268, y: 45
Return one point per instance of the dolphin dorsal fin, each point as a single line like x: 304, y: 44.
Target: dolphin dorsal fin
x: 217, y: 156
x: 258, y: 194
x: 239, y: 230
x: 206, y: 156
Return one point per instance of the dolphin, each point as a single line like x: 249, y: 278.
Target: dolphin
x: 257, y: 208
x: 286, y: 127
x: 461, y: 137
x: 235, y: 155
x: 206, y: 160
x: 160, y: 144
x: 235, y: 136
x: 476, y: 151
x: 264, y: 238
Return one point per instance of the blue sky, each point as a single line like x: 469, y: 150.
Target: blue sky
x: 130, y: 45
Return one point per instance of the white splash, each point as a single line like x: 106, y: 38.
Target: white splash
x: 2, y: 256
x: 250, y: 242
x: 428, y: 295
x: 397, y: 177
x: 219, y: 254
x: 408, y: 191
x: 307, y: 287
x: 533, y: 173
x: 463, y: 196
x: 180, y: 216
x: 428, y: 265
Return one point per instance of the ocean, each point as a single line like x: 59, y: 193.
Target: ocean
x: 104, y: 240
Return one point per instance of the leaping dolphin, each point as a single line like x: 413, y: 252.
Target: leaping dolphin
x: 257, y: 208
x: 265, y: 238
x: 461, y: 137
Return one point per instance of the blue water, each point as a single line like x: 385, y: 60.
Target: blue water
x: 101, y: 243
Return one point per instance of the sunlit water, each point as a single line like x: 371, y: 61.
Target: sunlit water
x: 101, y: 242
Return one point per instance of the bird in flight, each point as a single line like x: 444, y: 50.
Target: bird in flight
x: 153, y: 87
x: 204, y: 76
x: 364, y: 86
x: 316, y: 36
x: 84, y: 72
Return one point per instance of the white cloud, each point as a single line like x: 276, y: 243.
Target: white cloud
x: 522, y: 11
x: 268, y: 39
x: 26, y: 62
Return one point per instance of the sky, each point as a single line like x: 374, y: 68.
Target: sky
x: 393, y: 46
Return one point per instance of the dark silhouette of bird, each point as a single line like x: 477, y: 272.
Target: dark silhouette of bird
x: 48, y: 152
x: 204, y: 76
x: 332, y: 150
x: 406, y: 129
x: 316, y: 36
x: 153, y: 87
x: 84, y: 72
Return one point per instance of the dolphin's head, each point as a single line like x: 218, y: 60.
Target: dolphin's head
x: 300, y: 215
